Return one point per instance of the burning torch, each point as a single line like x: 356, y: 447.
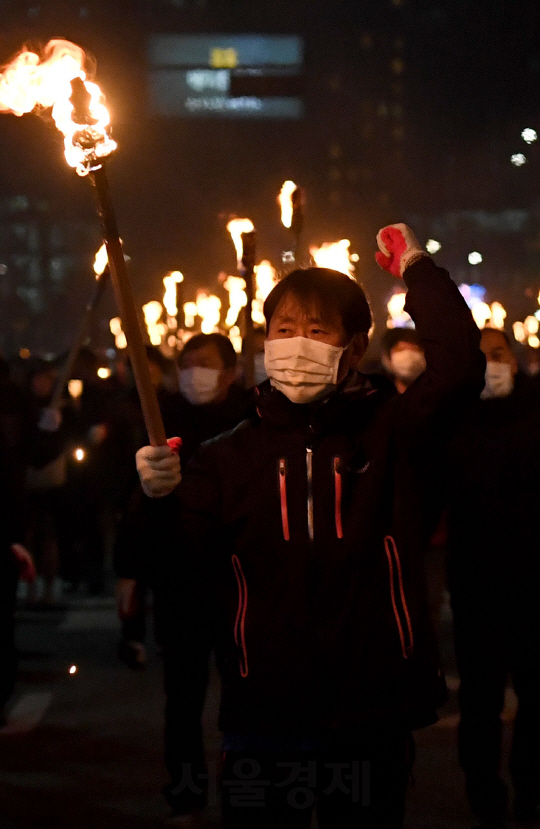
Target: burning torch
x: 59, y: 81
x: 243, y: 235
x: 291, y: 201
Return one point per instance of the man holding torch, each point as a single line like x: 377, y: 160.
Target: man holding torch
x: 305, y: 527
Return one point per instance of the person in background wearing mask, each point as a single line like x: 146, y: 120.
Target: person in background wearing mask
x: 209, y: 403
x: 494, y: 580
x: 304, y: 522
x: 402, y: 356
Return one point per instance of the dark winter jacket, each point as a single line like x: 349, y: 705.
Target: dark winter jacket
x: 309, y: 522
x: 137, y: 548
x: 493, y: 538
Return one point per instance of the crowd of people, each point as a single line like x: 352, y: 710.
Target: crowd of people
x: 289, y: 536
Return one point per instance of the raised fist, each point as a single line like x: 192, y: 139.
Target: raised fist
x: 397, y: 245
x: 159, y: 470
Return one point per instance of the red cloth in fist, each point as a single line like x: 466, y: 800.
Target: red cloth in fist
x: 175, y: 444
x: 397, y: 244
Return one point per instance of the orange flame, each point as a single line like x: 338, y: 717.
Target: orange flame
x: 152, y: 314
x: 115, y: 326
x: 32, y: 82
x: 236, y: 286
x: 397, y: 316
x: 286, y: 203
x: 265, y: 279
x: 101, y: 261
x: 170, y: 296
x: 236, y: 227
x: 334, y: 255
x: 209, y: 310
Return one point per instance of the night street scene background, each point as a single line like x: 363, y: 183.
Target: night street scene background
x: 422, y: 112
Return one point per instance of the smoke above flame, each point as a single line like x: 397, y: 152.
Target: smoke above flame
x: 31, y: 82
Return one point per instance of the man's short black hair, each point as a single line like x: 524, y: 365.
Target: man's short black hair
x: 329, y: 291
x: 501, y: 332
x: 221, y: 342
x: 393, y: 336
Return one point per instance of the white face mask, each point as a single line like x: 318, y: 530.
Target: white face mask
x: 499, y: 380
x: 260, y: 371
x: 407, y: 364
x: 303, y: 369
x: 199, y: 385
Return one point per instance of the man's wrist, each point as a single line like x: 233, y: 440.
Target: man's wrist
x: 410, y: 258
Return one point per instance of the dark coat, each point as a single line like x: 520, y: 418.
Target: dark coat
x: 310, y: 523
x: 494, y: 497
x: 139, y: 550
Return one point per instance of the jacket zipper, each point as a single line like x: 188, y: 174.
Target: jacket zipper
x: 283, y: 498
x: 309, y: 466
x: 338, y: 486
x: 405, y: 631
x: 239, y: 625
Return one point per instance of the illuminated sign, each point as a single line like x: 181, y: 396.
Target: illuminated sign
x: 238, y: 76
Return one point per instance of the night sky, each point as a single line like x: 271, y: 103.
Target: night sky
x: 469, y: 85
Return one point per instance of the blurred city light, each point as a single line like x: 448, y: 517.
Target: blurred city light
x: 518, y: 159
x: 529, y: 136
x: 432, y: 246
x: 475, y: 258
x: 79, y: 454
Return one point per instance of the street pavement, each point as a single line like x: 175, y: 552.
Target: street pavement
x: 83, y: 750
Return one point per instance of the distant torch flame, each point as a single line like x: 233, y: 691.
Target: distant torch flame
x: 190, y: 312
x: 32, y: 82
x: 170, y: 296
x: 481, y: 314
x: 101, y: 261
x: 209, y: 310
x: 152, y: 314
x: 265, y: 280
x: 397, y: 316
x: 334, y: 255
x: 498, y: 316
x: 115, y: 326
x: 286, y: 202
x: 75, y: 388
x: 236, y: 227
x: 519, y: 332
x: 236, y: 286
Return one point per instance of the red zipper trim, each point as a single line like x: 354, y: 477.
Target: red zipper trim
x: 338, y: 482
x: 393, y: 555
x: 239, y: 625
x: 283, y: 498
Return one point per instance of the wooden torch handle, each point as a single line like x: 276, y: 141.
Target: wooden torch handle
x: 128, y: 313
